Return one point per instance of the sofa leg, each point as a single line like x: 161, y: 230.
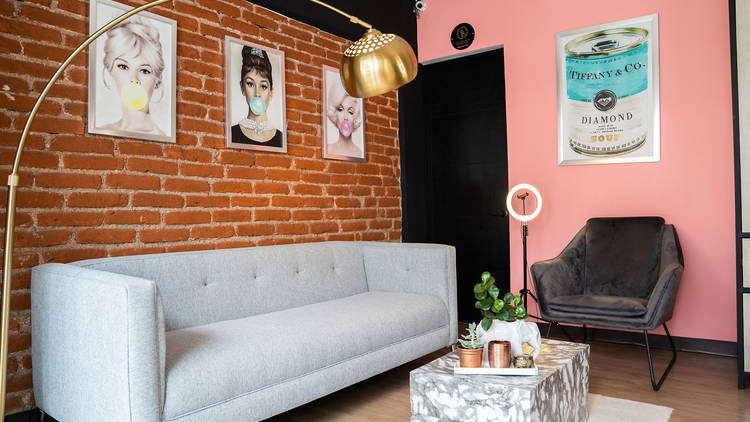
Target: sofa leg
x: 654, y: 384
x: 585, y: 333
x: 549, y: 328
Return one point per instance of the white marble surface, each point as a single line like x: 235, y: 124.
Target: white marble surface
x: 558, y: 393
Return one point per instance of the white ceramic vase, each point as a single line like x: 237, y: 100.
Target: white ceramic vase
x: 516, y: 332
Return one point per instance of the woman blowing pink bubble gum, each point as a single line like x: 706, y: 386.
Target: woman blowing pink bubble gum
x: 344, y: 112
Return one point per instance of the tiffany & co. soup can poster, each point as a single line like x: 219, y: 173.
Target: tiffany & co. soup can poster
x: 608, y: 105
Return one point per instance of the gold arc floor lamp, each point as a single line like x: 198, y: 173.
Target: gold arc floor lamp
x: 13, y: 185
x: 373, y: 65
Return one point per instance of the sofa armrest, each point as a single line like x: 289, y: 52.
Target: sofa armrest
x: 414, y: 268
x: 663, y: 296
x: 562, y: 275
x: 97, y: 345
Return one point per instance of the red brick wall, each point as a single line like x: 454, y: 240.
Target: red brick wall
x: 84, y: 196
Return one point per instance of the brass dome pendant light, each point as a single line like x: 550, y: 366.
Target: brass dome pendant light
x: 376, y: 63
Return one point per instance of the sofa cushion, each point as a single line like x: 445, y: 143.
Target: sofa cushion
x: 622, y: 255
x: 215, y: 363
x: 202, y: 287
x: 599, y: 305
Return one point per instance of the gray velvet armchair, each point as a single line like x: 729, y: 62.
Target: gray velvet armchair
x: 616, y: 272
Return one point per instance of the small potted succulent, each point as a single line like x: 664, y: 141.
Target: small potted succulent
x: 470, y: 349
x: 506, y: 308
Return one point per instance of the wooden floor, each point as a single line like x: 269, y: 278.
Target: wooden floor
x: 700, y: 388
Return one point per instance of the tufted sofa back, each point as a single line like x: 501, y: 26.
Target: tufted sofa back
x: 202, y: 287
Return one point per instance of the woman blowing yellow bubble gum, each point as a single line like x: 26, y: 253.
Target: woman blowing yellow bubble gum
x: 256, y: 83
x: 134, y: 63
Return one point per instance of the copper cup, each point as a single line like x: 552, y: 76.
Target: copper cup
x: 498, y: 353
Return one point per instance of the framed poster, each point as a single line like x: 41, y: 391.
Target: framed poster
x: 255, y: 96
x: 132, y: 73
x: 343, y: 120
x: 608, y: 93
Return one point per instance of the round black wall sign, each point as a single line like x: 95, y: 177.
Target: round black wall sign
x: 462, y: 36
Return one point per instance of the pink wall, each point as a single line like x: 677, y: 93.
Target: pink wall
x: 692, y: 186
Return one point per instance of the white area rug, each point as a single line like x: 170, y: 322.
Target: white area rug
x: 610, y: 409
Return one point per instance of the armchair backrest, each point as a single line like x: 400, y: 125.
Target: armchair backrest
x: 622, y: 256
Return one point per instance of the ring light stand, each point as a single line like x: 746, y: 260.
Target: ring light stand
x: 524, y: 218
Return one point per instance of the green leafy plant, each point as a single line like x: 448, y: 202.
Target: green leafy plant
x: 471, y: 340
x: 505, y: 308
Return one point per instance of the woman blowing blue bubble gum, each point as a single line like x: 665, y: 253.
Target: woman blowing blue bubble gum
x: 256, y: 83
x: 133, y: 66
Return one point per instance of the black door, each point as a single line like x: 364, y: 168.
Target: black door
x: 466, y: 170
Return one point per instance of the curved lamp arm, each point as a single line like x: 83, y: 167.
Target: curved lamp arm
x: 13, y: 184
x: 352, y: 19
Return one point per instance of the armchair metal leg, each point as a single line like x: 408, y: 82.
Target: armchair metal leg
x: 654, y: 384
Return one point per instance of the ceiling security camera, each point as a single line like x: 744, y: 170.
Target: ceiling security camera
x: 420, y: 6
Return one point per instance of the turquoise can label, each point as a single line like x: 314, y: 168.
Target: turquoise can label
x: 624, y: 74
x: 607, y: 91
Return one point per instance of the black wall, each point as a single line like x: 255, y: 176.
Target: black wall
x: 387, y: 16
x: 415, y: 218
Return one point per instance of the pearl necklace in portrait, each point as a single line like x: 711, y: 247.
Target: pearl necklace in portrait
x: 257, y: 127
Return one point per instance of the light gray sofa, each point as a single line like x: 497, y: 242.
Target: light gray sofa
x: 234, y: 334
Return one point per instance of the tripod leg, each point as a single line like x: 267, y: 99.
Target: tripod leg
x: 567, y: 334
x: 532, y: 296
x: 561, y: 327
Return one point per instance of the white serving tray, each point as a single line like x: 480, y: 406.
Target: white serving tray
x: 457, y: 370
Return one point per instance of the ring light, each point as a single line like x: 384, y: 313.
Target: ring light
x: 527, y: 217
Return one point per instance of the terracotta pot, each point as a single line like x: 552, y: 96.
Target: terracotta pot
x: 470, y: 358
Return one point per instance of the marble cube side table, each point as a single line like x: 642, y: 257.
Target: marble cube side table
x: 558, y: 393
